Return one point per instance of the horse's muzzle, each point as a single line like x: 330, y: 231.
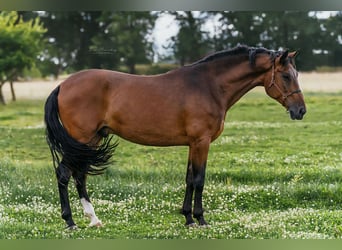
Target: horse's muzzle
x: 297, y: 112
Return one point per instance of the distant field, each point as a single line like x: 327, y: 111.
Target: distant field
x: 267, y: 177
x: 317, y: 82
x: 321, y: 82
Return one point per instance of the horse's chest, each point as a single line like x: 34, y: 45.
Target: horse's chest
x: 218, y: 132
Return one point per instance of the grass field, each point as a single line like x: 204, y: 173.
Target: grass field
x: 267, y: 177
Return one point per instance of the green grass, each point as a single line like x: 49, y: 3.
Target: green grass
x: 267, y: 177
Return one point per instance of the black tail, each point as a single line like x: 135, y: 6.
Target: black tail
x: 78, y: 157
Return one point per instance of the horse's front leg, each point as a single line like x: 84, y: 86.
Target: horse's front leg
x: 199, y: 161
x: 80, y: 181
x: 195, y: 180
x: 63, y: 175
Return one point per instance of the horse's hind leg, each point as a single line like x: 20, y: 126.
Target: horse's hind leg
x: 80, y: 180
x: 63, y: 176
x: 187, y: 204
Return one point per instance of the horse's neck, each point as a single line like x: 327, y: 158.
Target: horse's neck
x: 237, y: 81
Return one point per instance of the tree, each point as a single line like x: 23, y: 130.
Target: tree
x: 276, y: 30
x: 333, y: 36
x: 295, y: 30
x: 69, y: 39
x: 20, y: 43
x: 125, y: 37
x: 191, y: 42
x: 241, y: 27
x: 90, y: 25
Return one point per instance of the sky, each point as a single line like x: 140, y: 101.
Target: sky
x: 164, y: 29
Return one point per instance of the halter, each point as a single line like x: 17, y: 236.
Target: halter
x: 284, y: 95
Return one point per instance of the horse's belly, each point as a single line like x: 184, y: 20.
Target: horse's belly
x: 151, y: 137
x: 153, y: 140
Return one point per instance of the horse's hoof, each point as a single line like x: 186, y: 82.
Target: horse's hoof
x: 96, y: 223
x: 72, y: 227
x: 191, y: 225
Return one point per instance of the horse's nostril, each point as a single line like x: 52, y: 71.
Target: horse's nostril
x: 302, y: 110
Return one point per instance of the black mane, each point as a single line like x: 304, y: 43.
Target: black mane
x: 239, y: 50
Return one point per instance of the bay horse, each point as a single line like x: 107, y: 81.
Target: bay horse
x: 183, y: 107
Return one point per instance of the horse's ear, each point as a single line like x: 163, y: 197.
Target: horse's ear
x: 283, y: 58
x: 292, y: 57
x: 293, y: 54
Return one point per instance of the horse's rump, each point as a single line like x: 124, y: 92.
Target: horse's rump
x: 77, y: 156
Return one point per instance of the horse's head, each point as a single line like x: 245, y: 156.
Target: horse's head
x: 283, y: 85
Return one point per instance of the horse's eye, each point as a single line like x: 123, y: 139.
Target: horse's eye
x: 286, y: 77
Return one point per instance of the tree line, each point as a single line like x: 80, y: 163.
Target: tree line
x: 56, y: 42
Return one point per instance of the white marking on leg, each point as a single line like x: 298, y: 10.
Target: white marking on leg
x: 90, y: 213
